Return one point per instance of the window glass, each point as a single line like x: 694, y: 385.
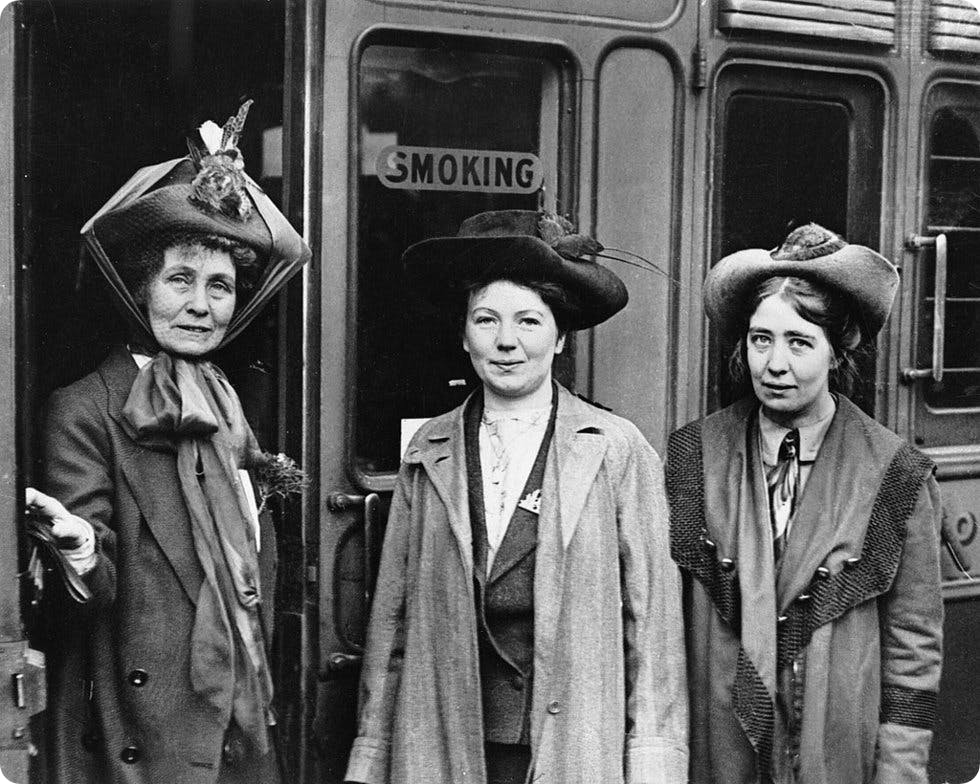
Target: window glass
x: 792, y: 147
x: 465, y: 123
x: 954, y: 210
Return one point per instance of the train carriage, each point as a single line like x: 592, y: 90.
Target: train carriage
x: 685, y: 130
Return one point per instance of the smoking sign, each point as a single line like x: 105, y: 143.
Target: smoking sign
x: 440, y: 169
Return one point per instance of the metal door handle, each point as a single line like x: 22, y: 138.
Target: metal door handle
x: 370, y: 503
x: 916, y: 241
x: 338, y: 662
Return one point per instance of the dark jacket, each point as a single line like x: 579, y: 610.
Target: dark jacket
x: 121, y: 707
x: 826, y: 673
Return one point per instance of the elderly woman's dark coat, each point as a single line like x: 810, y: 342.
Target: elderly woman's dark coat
x: 121, y: 704
x: 826, y: 670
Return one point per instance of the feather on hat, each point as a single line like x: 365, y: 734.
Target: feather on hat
x: 207, y: 192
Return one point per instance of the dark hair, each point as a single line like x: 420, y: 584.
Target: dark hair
x: 558, y: 299
x: 138, y: 267
x: 829, y: 309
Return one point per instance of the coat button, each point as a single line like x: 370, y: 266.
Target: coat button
x: 823, y: 572
x: 517, y: 682
x: 554, y: 707
x: 130, y: 754
x: 850, y: 563
x: 803, y: 597
x: 139, y: 677
x: 708, y: 544
x: 727, y: 565
x: 781, y: 619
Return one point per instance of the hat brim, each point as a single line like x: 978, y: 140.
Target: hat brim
x: 155, y: 200
x: 169, y: 208
x: 440, y: 269
x: 866, y: 277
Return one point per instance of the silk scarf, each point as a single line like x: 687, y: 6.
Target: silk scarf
x: 191, y: 408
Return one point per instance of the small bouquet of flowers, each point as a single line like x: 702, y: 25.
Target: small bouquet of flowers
x: 277, y: 476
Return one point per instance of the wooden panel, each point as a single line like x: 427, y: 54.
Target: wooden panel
x: 954, y: 26
x: 9, y: 507
x: 632, y: 13
x: 868, y: 21
x: 635, y: 150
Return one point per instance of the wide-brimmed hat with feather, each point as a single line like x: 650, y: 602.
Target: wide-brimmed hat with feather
x: 205, y: 193
x: 812, y: 252
x: 517, y: 245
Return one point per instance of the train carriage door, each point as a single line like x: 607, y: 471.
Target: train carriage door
x: 443, y: 127
x: 940, y: 369
x: 21, y: 683
x: 792, y: 145
x: 100, y: 89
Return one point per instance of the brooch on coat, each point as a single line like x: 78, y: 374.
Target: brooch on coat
x: 531, y: 502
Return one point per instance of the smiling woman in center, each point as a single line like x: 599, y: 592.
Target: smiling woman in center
x: 526, y: 624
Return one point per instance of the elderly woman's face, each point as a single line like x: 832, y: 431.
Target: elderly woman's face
x: 512, y: 339
x: 190, y: 301
x: 789, y: 360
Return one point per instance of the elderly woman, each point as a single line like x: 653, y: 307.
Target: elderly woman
x: 163, y: 675
x: 808, y: 535
x: 526, y: 623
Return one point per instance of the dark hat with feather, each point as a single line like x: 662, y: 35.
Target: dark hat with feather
x: 205, y: 193
x: 517, y: 245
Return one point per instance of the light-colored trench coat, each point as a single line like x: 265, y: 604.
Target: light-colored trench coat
x: 609, y: 700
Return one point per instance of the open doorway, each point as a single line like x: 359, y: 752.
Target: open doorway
x: 104, y: 89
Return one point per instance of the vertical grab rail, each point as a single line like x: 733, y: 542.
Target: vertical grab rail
x: 369, y: 504
x: 917, y: 242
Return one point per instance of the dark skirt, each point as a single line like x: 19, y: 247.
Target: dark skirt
x: 507, y: 763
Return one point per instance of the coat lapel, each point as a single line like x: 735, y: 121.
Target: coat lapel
x: 442, y: 453
x: 579, y: 448
x: 835, y: 506
x: 519, y: 542
x: 152, y: 479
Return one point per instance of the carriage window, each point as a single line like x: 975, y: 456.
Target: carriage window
x: 954, y: 210
x: 793, y: 147
x: 946, y: 373
x: 445, y: 133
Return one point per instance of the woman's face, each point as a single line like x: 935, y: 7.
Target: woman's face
x: 789, y: 360
x: 512, y: 339
x: 190, y: 301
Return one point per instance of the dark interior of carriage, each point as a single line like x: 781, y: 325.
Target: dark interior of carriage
x: 108, y: 87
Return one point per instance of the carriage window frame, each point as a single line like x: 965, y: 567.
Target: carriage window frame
x: 864, y: 95
x: 949, y: 431
x: 563, y: 199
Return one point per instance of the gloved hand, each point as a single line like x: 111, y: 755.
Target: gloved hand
x: 75, y: 536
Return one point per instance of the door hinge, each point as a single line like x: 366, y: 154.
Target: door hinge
x: 26, y: 693
x: 699, y: 67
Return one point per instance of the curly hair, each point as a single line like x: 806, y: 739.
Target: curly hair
x: 138, y: 267
x: 829, y: 309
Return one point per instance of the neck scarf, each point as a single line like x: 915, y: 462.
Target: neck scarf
x: 782, y: 480
x: 189, y: 407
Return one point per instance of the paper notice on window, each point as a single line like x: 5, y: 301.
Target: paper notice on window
x: 409, y: 428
